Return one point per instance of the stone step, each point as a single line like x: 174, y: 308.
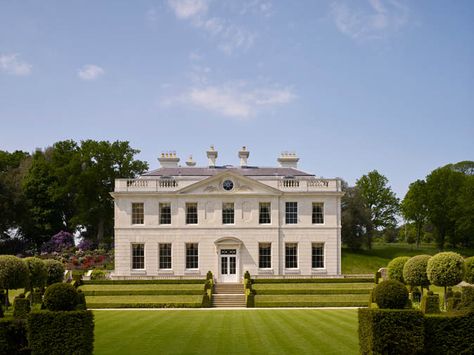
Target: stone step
x: 228, y: 300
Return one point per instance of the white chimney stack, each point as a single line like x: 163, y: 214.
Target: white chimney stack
x: 243, y: 155
x: 168, y: 160
x: 288, y: 160
x: 212, y: 156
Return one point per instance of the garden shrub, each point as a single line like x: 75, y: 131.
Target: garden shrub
x: 38, y: 273
x: 467, y: 297
x: 13, y: 336
x: 61, y: 332
x: 209, y: 275
x: 454, y: 302
x: 445, y: 269
x: 206, y: 300
x: 247, y: 275
x: 59, y: 242
x: 395, y: 268
x: 383, y: 331
x: 430, y: 304
x: 469, y: 275
x: 81, y: 301
x: 391, y: 294
x: 55, y: 271
x: 14, y: 273
x: 377, y: 276
x: 449, y: 333
x: 98, y: 275
x: 60, y: 297
x: 21, y: 307
x: 416, y: 294
x: 414, y: 271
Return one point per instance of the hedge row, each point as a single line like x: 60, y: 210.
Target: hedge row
x: 329, y: 291
x: 142, y: 282
x: 383, y: 331
x: 13, y: 336
x: 310, y: 304
x: 141, y: 292
x: 61, y: 332
x: 143, y: 305
x: 321, y: 280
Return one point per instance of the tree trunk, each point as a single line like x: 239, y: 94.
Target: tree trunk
x: 418, y: 235
x: 445, y: 299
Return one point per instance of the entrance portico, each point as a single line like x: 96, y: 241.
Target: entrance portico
x: 228, y: 259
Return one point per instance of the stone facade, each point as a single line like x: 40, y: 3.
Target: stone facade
x: 153, y: 215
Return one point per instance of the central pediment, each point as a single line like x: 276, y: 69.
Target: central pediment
x: 229, y: 183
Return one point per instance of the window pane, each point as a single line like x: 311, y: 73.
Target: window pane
x: 191, y: 213
x: 291, y: 213
x: 228, y: 213
x: 165, y: 256
x: 165, y: 213
x: 137, y: 213
x: 138, y: 256
x: 192, y: 261
x: 264, y: 255
x: 265, y: 213
x: 291, y: 255
x: 317, y: 255
x: 318, y: 213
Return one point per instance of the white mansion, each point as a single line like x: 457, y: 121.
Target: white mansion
x: 183, y: 221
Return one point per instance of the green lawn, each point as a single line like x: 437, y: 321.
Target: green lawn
x: 226, y: 332
x: 369, y: 261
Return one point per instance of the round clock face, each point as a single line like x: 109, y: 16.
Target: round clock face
x: 228, y: 185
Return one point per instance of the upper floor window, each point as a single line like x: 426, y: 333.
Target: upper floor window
x: 265, y: 213
x: 291, y: 213
x: 165, y: 256
x: 138, y: 256
x: 165, y: 213
x: 264, y: 255
x: 138, y: 213
x: 228, y: 213
x: 291, y: 255
x: 318, y: 213
x: 191, y: 213
x: 192, y: 256
x: 317, y: 256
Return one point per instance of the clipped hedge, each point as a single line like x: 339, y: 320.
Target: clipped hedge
x: 467, y: 297
x: 384, y: 331
x: 312, y: 291
x: 61, y: 332
x: 55, y: 271
x: 21, y: 307
x: 395, y: 268
x: 60, y: 297
x: 143, y: 282
x: 143, y: 305
x: 320, y: 280
x: 140, y: 292
x: 430, y: 304
x: 390, y: 294
x: 13, y: 336
x: 276, y: 304
x: 449, y: 333
x: 469, y: 274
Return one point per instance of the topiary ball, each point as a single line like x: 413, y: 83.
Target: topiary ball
x: 469, y: 276
x: 395, y: 268
x: 414, y: 271
x: 445, y: 269
x: 60, y: 297
x: 391, y: 294
x: 55, y: 271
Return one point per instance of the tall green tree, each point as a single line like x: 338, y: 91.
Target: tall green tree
x: 413, y: 207
x: 380, y: 200
x: 464, y: 213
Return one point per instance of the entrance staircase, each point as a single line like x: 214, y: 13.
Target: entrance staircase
x: 228, y: 295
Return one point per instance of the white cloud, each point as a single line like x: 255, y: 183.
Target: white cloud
x: 185, y: 9
x: 376, y: 20
x: 236, y: 100
x: 229, y: 35
x: 11, y: 64
x: 90, y: 72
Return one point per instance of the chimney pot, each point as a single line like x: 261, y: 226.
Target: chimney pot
x: 212, y: 156
x: 243, y: 155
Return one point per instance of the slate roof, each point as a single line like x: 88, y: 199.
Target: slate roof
x: 206, y: 171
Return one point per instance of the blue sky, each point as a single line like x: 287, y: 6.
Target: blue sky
x: 351, y: 86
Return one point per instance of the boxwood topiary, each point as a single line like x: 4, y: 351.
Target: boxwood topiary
x: 38, y: 273
x: 414, y: 271
x: 60, y: 297
x: 21, y: 307
x: 395, y: 268
x: 55, y: 271
x: 391, y: 294
x: 469, y: 276
x: 430, y: 304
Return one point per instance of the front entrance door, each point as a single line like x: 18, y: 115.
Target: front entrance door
x: 228, y: 265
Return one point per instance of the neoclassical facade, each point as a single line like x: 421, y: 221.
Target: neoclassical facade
x: 181, y: 221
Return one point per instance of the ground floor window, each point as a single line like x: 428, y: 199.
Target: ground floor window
x: 291, y: 255
x: 192, y: 256
x: 265, y: 255
x: 317, y: 255
x: 165, y: 256
x: 138, y: 256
